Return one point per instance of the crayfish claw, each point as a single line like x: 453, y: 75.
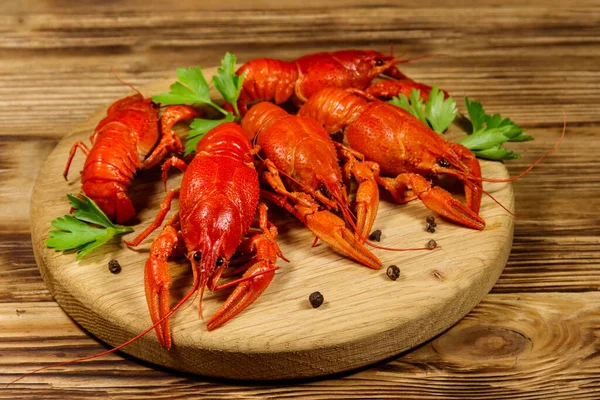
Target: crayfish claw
x: 249, y: 288
x: 157, y: 282
x: 332, y: 230
x: 442, y: 202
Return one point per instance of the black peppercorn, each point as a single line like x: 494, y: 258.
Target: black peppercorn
x: 432, y: 244
x: 114, y: 266
x: 316, y: 299
x: 430, y: 228
x: 393, y: 272
x: 430, y: 220
x: 375, y: 236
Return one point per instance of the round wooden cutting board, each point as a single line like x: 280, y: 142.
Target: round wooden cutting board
x: 366, y: 317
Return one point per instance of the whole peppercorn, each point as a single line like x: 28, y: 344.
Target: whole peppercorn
x: 393, y: 272
x: 375, y: 236
x: 430, y: 220
x: 316, y: 299
x: 432, y: 244
x: 114, y: 266
x: 430, y: 228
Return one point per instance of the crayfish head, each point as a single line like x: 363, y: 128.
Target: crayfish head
x: 207, y: 265
x: 366, y: 64
x: 332, y: 188
x: 212, y: 232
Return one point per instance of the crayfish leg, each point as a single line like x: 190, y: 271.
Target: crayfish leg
x: 388, y: 89
x: 326, y: 226
x: 408, y: 186
x: 367, y: 194
x: 157, y: 282
x: 473, y: 189
x: 169, y: 141
x: 260, y: 272
x: 77, y: 145
x: 165, y: 206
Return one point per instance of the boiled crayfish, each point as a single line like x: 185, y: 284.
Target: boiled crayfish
x: 303, y: 152
x: 405, y: 149
x: 268, y: 79
x: 121, y: 145
x: 218, y: 199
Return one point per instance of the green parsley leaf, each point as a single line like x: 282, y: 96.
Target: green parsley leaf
x: 414, y: 106
x: 417, y: 105
x: 75, y: 232
x: 87, y: 210
x: 199, y: 128
x: 497, y: 153
x: 227, y: 82
x: 476, y: 114
x: 491, y: 131
x: 483, y: 139
x: 439, y: 112
x: 401, y: 101
x: 191, y: 88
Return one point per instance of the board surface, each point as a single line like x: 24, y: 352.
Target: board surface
x: 366, y: 317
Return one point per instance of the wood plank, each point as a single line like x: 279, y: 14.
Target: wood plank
x: 495, y: 68
x: 528, y: 60
x: 499, y: 350
x: 20, y: 279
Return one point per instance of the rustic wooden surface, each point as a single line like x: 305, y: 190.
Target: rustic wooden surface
x: 280, y: 336
x: 534, y: 337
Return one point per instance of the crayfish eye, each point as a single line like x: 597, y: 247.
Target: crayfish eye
x: 197, y: 256
x: 220, y: 262
x: 444, y: 163
x: 323, y: 189
x: 378, y: 62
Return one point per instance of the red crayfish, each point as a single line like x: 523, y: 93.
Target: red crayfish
x: 121, y: 145
x: 270, y: 79
x: 405, y: 149
x: 218, y: 199
x: 305, y: 154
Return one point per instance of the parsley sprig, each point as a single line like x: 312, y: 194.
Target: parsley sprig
x: 490, y: 132
x: 88, y: 228
x: 227, y: 82
x: 438, y: 113
x: 192, y: 88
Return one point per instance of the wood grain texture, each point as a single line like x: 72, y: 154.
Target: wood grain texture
x: 527, y: 60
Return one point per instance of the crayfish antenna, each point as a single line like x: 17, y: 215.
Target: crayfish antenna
x: 528, y: 169
x: 112, y: 70
x: 121, y: 346
x: 520, y: 175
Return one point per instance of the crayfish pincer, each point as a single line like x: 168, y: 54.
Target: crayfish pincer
x: 218, y: 199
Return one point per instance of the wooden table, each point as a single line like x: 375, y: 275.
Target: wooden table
x: 535, y: 336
